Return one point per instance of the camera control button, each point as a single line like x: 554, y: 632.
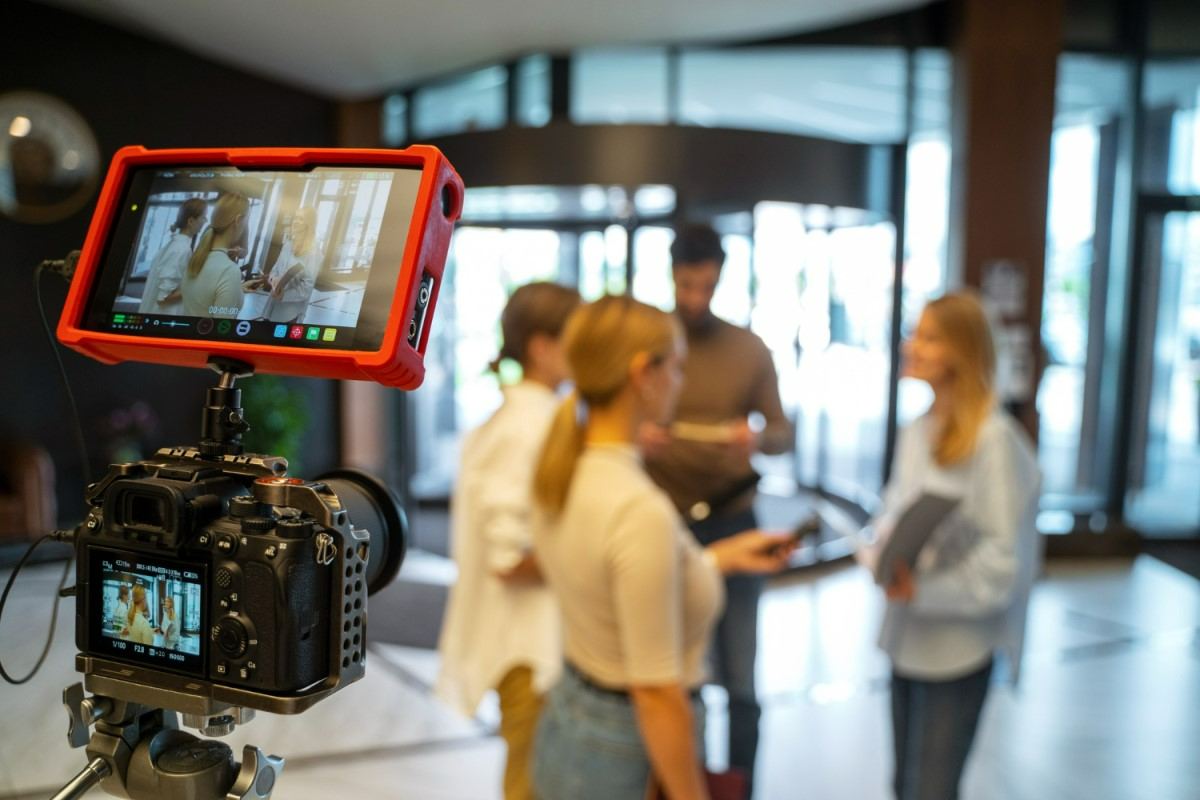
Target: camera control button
x: 270, y: 552
x: 232, y: 638
x: 204, y: 539
x: 244, y: 673
x: 227, y: 543
x: 222, y: 668
x: 224, y: 578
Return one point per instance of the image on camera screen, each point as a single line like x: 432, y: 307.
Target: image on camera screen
x: 294, y: 258
x: 150, y: 612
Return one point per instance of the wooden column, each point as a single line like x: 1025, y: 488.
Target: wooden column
x: 1002, y: 117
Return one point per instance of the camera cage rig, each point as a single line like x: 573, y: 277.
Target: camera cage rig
x: 130, y: 726
x: 136, y: 727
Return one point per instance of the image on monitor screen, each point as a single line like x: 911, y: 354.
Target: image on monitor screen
x: 151, y: 612
x: 289, y: 248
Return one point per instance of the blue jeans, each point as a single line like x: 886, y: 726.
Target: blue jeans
x: 933, y: 725
x: 735, y: 644
x: 589, y: 747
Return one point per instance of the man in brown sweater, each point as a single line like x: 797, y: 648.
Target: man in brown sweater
x: 702, y: 459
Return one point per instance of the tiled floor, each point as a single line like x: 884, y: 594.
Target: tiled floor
x: 1108, y: 707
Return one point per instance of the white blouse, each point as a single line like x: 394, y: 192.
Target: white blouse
x: 493, y: 625
x: 974, y: 576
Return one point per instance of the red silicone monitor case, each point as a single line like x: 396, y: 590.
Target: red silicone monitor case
x: 395, y: 363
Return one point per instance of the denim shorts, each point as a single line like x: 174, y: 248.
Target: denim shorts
x: 589, y: 746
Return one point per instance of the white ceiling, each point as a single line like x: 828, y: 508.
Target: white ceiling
x: 349, y: 49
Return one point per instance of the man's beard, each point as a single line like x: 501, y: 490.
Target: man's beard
x: 701, y: 323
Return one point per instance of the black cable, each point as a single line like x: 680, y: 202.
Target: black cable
x: 57, y: 536
x: 64, y: 268
x: 80, y: 439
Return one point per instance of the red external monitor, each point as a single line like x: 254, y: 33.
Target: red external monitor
x: 316, y: 262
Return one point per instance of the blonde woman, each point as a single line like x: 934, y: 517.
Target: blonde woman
x: 502, y: 628
x: 169, y: 629
x: 965, y: 601
x: 137, y: 621
x: 638, y: 595
x: 294, y: 275
x: 212, y: 284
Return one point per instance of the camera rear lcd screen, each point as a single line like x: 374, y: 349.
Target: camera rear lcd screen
x: 149, y: 610
x: 305, y: 259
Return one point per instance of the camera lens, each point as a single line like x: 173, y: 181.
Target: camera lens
x: 376, y: 508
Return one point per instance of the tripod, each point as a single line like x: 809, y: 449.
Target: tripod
x: 139, y: 752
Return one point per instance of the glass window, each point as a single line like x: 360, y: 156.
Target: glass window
x: 394, y: 122
x: 1088, y: 104
x: 927, y: 210
x: 1163, y: 498
x: 652, y: 282
x: 619, y: 85
x: 460, y: 391
x: 1172, y: 107
x: 845, y: 93
x: 533, y: 91
x: 475, y: 101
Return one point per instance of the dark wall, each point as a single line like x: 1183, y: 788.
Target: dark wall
x: 131, y: 91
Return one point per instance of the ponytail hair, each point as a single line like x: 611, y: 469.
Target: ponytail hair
x: 601, y: 341
x: 963, y: 323
x: 226, y: 211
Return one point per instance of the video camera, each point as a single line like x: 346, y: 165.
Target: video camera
x: 208, y: 581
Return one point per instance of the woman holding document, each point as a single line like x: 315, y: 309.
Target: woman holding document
x: 958, y: 549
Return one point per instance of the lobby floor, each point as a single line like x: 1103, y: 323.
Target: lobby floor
x: 1108, y: 707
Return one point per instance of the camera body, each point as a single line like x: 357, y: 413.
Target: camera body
x: 208, y: 581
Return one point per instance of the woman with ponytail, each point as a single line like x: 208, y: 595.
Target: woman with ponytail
x: 966, y: 598
x: 212, y: 285
x: 638, y: 595
x: 501, y: 630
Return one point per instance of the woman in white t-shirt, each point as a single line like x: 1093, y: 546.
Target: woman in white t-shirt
x: 162, y: 294
x: 966, y: 599
x: 501, y: 629
x: 212, y: 285
x: 294, y: 274
x: 638, y: 595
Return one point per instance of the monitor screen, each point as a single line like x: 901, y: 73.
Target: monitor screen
x: 295, y: 258
x: 149, y: 610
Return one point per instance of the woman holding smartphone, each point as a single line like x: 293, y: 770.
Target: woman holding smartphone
x: 638, y: 595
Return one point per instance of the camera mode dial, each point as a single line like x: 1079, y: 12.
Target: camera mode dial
x: 257, y: 524
x: 231, y: 636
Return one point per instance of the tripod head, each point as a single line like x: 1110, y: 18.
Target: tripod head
x: 140, y: 753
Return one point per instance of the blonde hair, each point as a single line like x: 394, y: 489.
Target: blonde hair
x: 226, y: 211
x: 139, y: 596
x: 601, y: 340
x: 963, y: 324
x: 302, y: 246
x: 539, y: 307
x: 169, y: 599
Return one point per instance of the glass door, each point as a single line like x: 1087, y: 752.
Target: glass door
x: 1164, y: 484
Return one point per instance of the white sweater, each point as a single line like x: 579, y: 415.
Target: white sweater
x: 974, y: 577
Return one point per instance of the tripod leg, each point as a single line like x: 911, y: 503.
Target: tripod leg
x: 96, y: 771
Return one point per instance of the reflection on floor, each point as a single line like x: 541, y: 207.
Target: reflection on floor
x: 1107, y: 707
